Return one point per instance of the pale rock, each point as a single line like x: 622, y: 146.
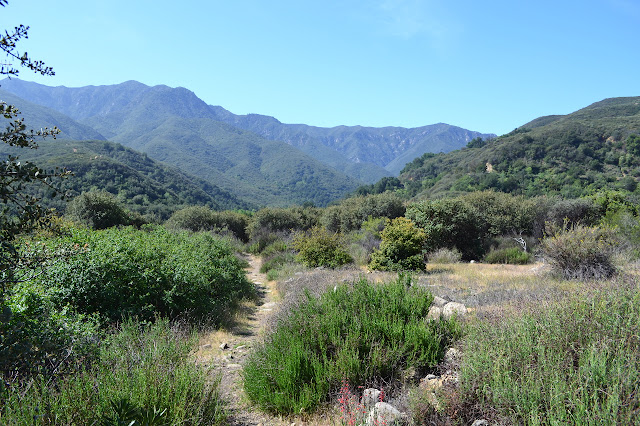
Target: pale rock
x: 480, y: 422
x: 207, y: 346
x: 453, y: 308
x: 452, y: 356
x: 439, y: 301
x: 434, y: 313
x: 224, y: 345
x: 383, y: 413
x: 370, y: 397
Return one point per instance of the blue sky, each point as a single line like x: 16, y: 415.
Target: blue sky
x: 488, y: 66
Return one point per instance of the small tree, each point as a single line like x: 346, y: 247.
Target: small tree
x: 98, y: 210
x: 320, y: 247
x: 19, y: 211
x: 402, y: 247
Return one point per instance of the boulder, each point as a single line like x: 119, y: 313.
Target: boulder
x: 370, y: 397
x: 453, y: 308
x: 439, y: 301
x: 452, y: 356
x: 434, y: 313
x: 383, y: 414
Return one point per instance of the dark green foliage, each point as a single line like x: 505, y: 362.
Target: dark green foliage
x: 581, y: 210
x: 471, y: 221
x: 351, y: 213
x: 385, y: 184
x: 141, y: 184
x: 319, y: 247
x: 20, y: 211
x: 581, y: 252
x: 283, y: 219
x: 271, y: 224
x: 571, y: 156
x: 359, y: 333
x: 142, y: 372
x: 38, y: 338
x: 577, y: 362
x: 126, y: 272
x: 98, y: 210
x: 200, y: 218
x: 401, y: 248
x: 505, y: 214
x: 476, y: 143
x: 512, y: 255
x: 449, y: 223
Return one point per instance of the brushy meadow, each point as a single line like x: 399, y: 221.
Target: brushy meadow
x: 361, y: 333
x: 577, y: 362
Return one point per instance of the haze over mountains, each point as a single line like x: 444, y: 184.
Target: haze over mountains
x: 255, y: 157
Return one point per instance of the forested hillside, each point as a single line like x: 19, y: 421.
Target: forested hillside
x: 143, y: 185
x: 573, y: 155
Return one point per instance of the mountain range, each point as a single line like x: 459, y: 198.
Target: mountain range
x: 256, y: 158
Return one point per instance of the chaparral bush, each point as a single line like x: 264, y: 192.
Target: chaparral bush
x: 359, y: 333
x: 118, y: 273
x: 319, y: 247
x: 402, y: 247
x: 353, y: 212
x: 511, y: 255
x: 200, y: 218
x: 99, y: 210
x: 581, y: 252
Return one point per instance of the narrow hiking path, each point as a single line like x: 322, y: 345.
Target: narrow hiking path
x: 227, y: 350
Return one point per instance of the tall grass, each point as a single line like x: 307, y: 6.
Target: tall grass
x: 575, y: 363
x: 147, y: 366
x: 359, y: 333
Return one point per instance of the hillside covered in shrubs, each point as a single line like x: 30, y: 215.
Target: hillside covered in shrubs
x: 590, y: 150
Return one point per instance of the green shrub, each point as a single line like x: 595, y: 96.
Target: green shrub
x: 581, y: 252
x: 445, y: 255
x: 99, y: 210
x: 358, y: 333
x: 450, y: 223
x: 275, y: 220
x: 271, y: 224
x: 199, y: 218
x: 402, y: 247
x: 501, y: 214
x: 577, y: 363
x: 276, y: 261
x: 125, y: 272
x: 37, y: 338
x: 147, y: 368
x: 319, y: 247
x: 511, y: 255
x: 581, y: 210
x: 351, y: 213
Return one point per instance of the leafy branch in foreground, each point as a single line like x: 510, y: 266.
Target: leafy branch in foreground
x: 19, y: 212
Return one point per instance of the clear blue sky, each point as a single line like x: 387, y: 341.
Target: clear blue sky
x: 488, y: 65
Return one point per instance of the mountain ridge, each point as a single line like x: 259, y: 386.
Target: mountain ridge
x: 363, y: 153
x: 572, y: 155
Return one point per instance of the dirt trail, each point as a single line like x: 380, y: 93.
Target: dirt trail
x: 240, y: 339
